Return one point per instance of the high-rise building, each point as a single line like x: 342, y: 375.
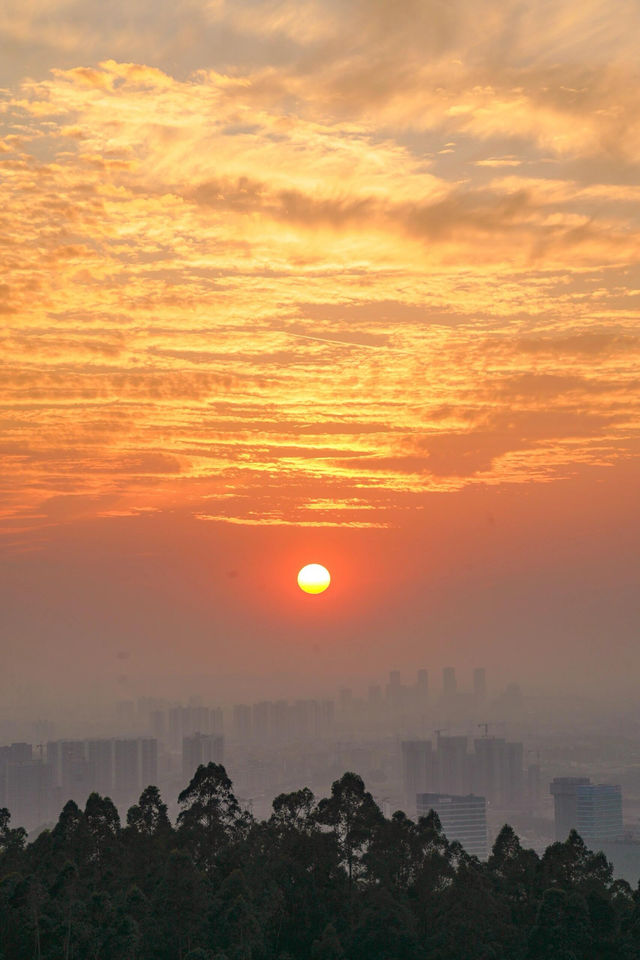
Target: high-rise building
x: 490, y: 768
x: 498, y: 770
x: 217, y: 721
x: 148, y: 762
x: 261, y: 720
x: 100, y: 757
x: 74, y: 771
x: 514, y: 774
x: 158, y: 724
x: 174, y: 725
x: 242, y: 721
x: 533, y: 784
x: 565, y: 800
x: 480, y: 685
x: 53, y: 755
x: 303, y: 716
x: 280, y: 719
x: 16, y: 753
x: 200, y: 748
x: 599, y: 812
x: 463, y: 818
x: 345, y: 701
x: 110, y: 767
x: 593, y: 809
x: 126, y: 713
x: 417, y: 768
x: 13, y: 753
x: 449, y: 684
x: 394, y: 690
x: 28, y: 792
x: 326, y: 716
x: 126, y: 777
x: 453, y: 765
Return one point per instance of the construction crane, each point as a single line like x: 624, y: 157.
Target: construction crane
x: 486, y: 728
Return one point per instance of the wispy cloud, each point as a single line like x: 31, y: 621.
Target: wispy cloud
x: 364, y: 252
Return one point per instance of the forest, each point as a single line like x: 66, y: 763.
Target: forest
x: 327, y: 879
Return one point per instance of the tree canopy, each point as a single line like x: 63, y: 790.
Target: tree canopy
x: 328, y: 879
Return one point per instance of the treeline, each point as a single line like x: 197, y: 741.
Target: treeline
x: 320, y: 880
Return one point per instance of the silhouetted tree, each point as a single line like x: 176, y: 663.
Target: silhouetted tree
x: 211, y: 816
x: 514, y: 871
x: 328, y: 947
x: 103, y: 824
x: 572, y: 864
x: 149, y: 816
x: 179, y: 909
x: 352, y: 813
x: 326, y: 880
x: 435, y: 870
x: 66, y: 904
x: 236, y: 924
x: 562, y: 929
x: 385, y: 928
x: 12, y: 840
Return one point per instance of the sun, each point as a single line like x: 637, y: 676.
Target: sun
x: 314, y: 578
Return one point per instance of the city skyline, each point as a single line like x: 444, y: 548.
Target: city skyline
x: 319, y: 479
x: 338, y: 283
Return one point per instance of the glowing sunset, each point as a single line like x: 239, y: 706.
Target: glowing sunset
x: 314, y: 578
x: 319, y: 479
x: 355, y: 280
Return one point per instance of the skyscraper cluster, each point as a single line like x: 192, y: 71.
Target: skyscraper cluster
x: 119, y: 768
x: 593, y: 809
x: 463, y: 818
x: 34, y: 783
x: 200, y: 748
x: 172, y: 724
x: 26, y: 783
x: 282, y: 720
x: 493, y: 769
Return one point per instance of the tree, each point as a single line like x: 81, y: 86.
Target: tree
x: 393, y: 856
x: 435, y: 872
x: 352, y: 813
x: 64, y: 896
x: 149, y: 816
x: 295, y: 811
x: 210, y: 815
x: 328, y: 947
x: 572, y: 864
x: 28, y: 897
x: 235, y: 921
x: 298, y: 863
x: 317, y: 881
x: 469, y: 920
x: 12, y: 841
x: 514, y: 871
x: 103, y: 823
x: 71, y: 835
x: 386, y: 928
x: 179, y: 910
x: 562, y: 929
x: 629, y: 915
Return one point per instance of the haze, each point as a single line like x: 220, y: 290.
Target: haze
x: 338, y: 282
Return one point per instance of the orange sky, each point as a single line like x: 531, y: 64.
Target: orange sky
x: 281, y: 275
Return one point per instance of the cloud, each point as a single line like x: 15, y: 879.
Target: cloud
x: 582, y: 344
x: 368, y: 252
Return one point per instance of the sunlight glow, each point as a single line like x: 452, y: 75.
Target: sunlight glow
x: 314, y: 578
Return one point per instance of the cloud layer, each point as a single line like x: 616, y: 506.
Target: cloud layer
x: 304, y: 263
